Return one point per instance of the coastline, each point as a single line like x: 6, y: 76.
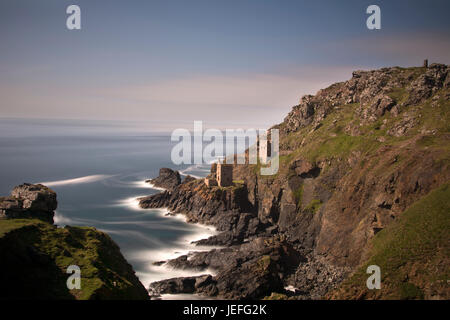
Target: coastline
x: 185, y: 246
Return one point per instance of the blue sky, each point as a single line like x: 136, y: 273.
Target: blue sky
x: 234, y: 62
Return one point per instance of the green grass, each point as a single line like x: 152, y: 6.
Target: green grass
x: 7, y: 225
x: 339, y: 146
x: 102, y: 266
x: 276, y: 296
x: 331, y: 140
x: 399, y: 95
x: 298, y: 194
x: 263, y: 264
x: 408, y: 291
x: 409, y: 250
x: 314, y: 206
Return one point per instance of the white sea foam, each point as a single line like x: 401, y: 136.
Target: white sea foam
x: 131, y: 203
x: 61, y: 220
x: 146, y: 185
x: 183, y: 246
x: 152, y: 273
x: 183, y: 173
x: 198, y: 167
x: 85, y: 179
x: 152, y: 186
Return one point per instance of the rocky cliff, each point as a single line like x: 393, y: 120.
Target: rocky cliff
x: 35, y: 254
x: 224, y: 208
x: 353, y: 158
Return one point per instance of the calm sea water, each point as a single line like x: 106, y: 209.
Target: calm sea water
x: 98, y: 171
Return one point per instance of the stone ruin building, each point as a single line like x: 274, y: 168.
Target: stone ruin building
x: 221, y: 175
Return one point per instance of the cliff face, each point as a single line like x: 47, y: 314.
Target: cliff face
x: 353, y: 158
x: 412, y: 253
x: 35, y: 254
x: 228, y: 209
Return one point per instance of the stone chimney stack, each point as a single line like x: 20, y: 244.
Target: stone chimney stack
x: 425, y: 63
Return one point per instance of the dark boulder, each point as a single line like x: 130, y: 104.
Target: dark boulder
x: 180, y: 285
x: 167, y: 179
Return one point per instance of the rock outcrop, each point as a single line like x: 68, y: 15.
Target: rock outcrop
x: 29, y: 201
x: 168, y: 179
x: 221, y: 207
x: 180, y: 285
x: 376, y: 92
x: 245, y: 271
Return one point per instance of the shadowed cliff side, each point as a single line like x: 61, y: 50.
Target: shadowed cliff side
x: 413, y: 254
x: 35, y: 254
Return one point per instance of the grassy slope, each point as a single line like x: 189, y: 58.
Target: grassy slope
x: 104, y: 272
x: 413, y: 254
x: 13, y: 224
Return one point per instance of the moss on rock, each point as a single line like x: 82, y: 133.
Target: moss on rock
x: 35, y: 255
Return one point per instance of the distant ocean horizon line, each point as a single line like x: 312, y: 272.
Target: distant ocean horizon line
x: 108, y: 126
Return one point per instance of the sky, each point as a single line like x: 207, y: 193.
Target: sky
x: 229, y: 63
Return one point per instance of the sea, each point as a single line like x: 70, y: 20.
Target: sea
x: 98, y: 170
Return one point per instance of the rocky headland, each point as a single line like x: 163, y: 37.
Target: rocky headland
x: 35, y: 254
x: 361, y: 162
x: 167, y: 179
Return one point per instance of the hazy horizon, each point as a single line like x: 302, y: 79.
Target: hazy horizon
x: 230, y: 64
